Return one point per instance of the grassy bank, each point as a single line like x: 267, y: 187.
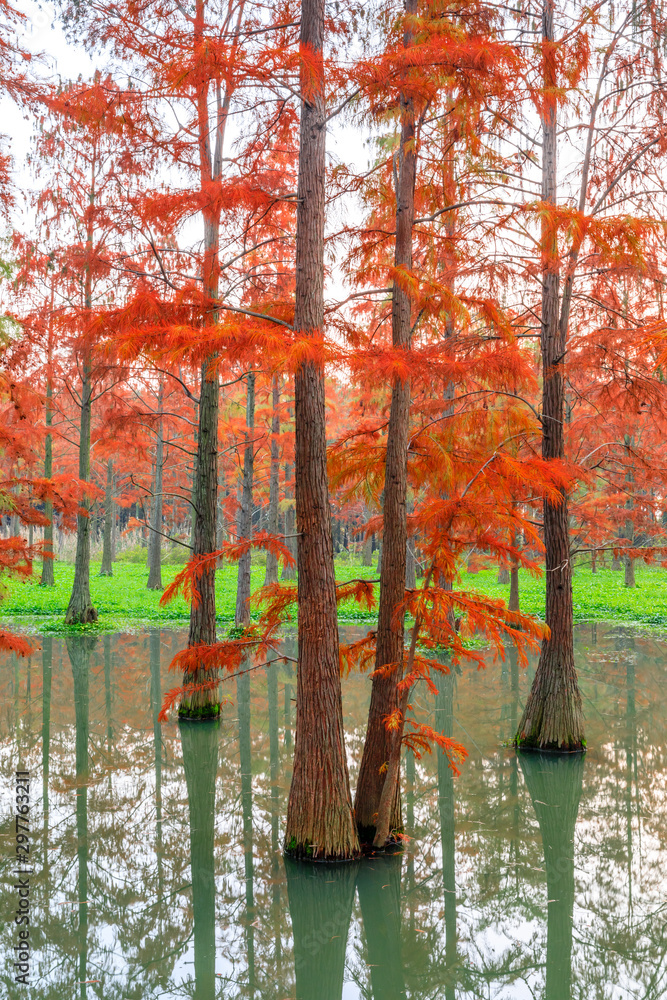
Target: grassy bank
x: 123, y: 599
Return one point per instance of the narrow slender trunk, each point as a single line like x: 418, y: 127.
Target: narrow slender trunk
x: 289, y: 572
x: 390, y: 631
x: 629, y: 525
x: 242, y: 616
x: 503, y: 576
x: 271, y: 559
x: 367, y: 551
x: 80, y: 609
x: 193, y: 497
x: 106, y: 569
x: 514, y: 579
x: 514, y: 588
x: 553, y: 717
x: 114, y: 525
x: 155, y: 539
x: 48, y: 578
x: 204, y: 702
x: 410, y: 562
x: 320, y: 822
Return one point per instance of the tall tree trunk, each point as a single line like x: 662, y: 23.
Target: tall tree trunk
x: 193, y: 496
x: 367, y: 551
x: 48, y: 578
x: 80, y: 609
x: 245, y: 515
x: 155, y: 538
x: 390, y: 631
x: 106, y: 569
x: 553, y: 717
x: 204, y: 704
x: 514, y: 578
x: 289, y: 572
x: 629, y: 525
x: 320, y: 822
x: 271, y: 575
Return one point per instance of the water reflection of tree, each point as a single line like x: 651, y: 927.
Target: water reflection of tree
x: 245, y: 759
x: 140, y: 921
x: 554, y: 783
x: 79, y: 649
x: 320, y: 905
x: 200, y: 761
x: 379, y: 890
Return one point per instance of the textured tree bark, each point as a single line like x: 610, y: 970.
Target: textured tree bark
x: 271, y: 575
x: 245, y: 516
x: 553, y: 717
x: 390, y: 630
x: 48, y: 578
x: 503, y: 575
x: 80, y: 610
x: 320, y: 904
x: 106, y: 569
x: 204, y: 704
x: 155, y: 539
x: 554, y: 785
x: 200, y: 763
x: 320, y: 822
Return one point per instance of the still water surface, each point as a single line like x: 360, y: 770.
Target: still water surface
x: 158, y: 870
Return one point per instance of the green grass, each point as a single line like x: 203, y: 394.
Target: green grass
x: 600, y: 596
x: 122, y: 601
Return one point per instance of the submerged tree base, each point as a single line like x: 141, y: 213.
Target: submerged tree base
x: 199, y: 713
x: 81, y: 616
x: 393, y: 844
x: 523, y: 743
x: 310, y: 852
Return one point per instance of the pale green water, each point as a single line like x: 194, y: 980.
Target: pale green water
x: 158, y: 870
